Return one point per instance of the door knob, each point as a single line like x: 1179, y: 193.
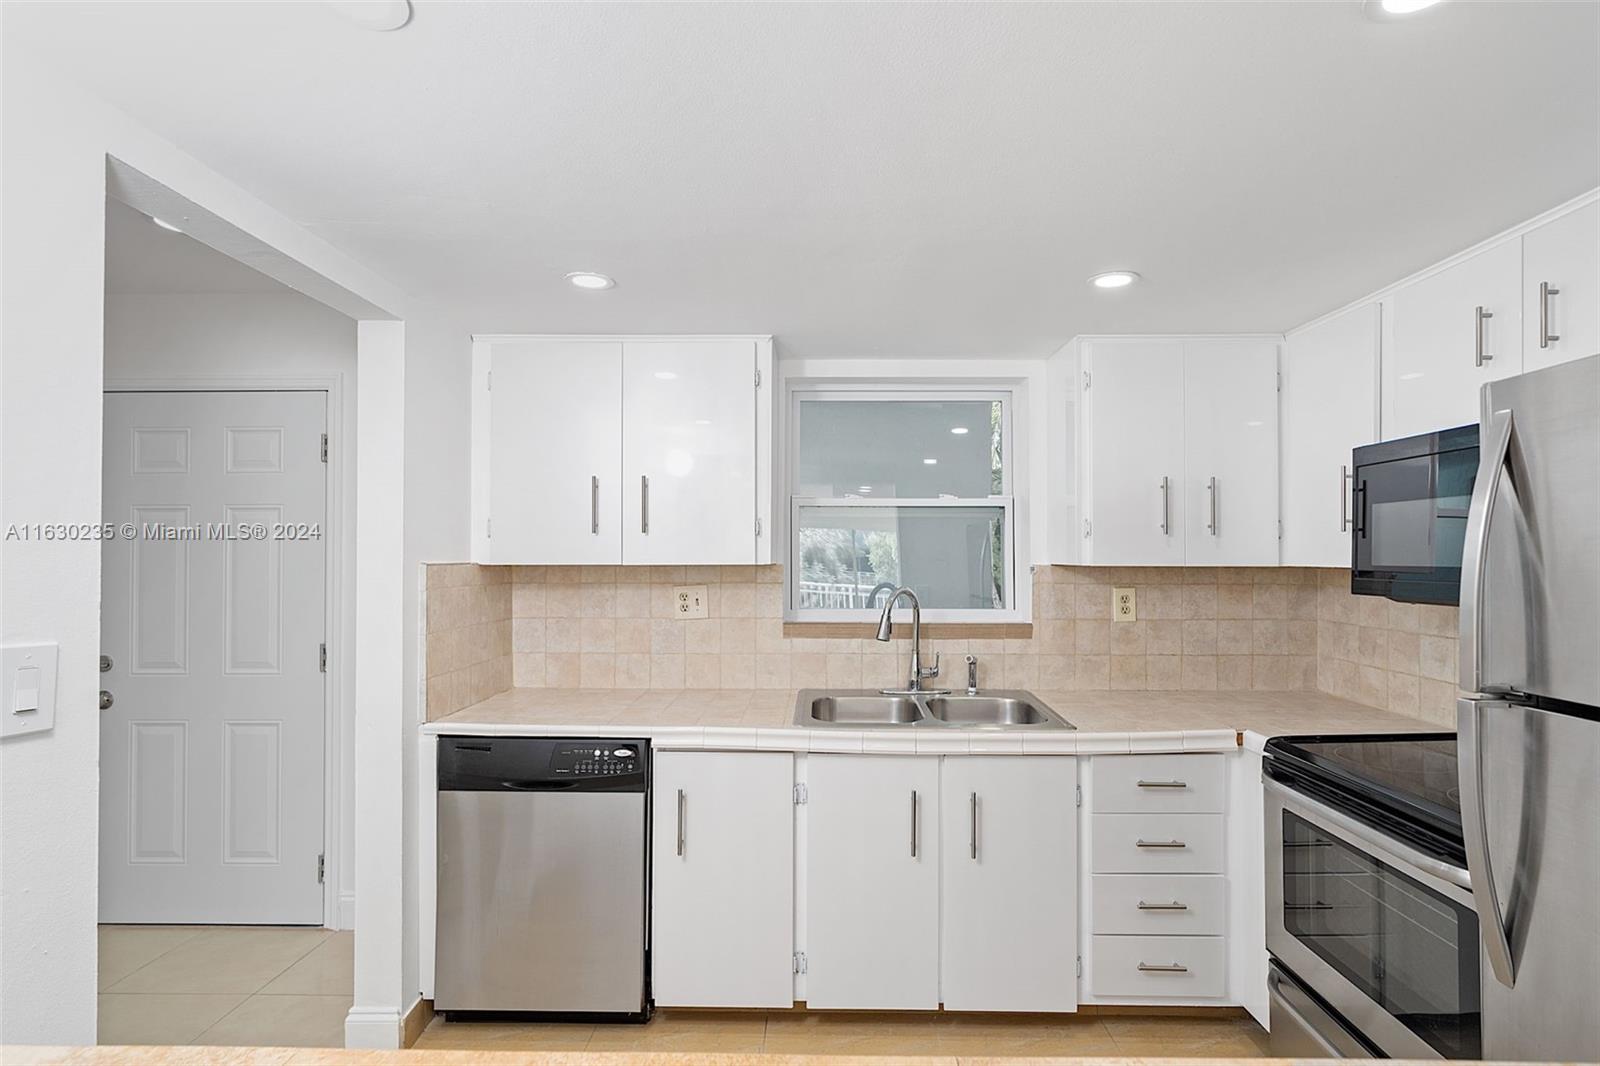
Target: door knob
x: 106, y: 700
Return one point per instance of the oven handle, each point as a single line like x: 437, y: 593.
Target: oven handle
x: 1383, y: 847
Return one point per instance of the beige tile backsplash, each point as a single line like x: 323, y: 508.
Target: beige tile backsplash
x: 1277, y: 629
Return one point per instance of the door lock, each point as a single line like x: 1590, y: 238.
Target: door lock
x: 106, y: 700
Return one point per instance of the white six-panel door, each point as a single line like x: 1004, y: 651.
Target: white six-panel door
x: 211, y: 757
x: 1230, y: 432
x: 688, y: 423
x: 1010, y: 852
x: 872, y: 882
x: 1134, y: 404
x: 555, y: 454
x: 723, y: 879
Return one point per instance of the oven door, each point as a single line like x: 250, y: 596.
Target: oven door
x: 1383, y: 933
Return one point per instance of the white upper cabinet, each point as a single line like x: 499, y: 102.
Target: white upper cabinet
x: 1452, y: 332
x: 1330, y: 407
x: 1133, y: 437
x: 688, y: 465
x: 1561, y: 289
x: 622, y: 450
x: 1230, y: 428
x: 1180, y: 444
x: 554, y: 451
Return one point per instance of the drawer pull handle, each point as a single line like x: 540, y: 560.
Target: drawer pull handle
x: 1159, y: 844
x: 1163, y: 784
x: 1173, y: 906
x: 1145, y: 967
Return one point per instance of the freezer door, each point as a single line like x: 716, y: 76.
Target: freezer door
x: 1530, y: 580
x: 1530, y: 812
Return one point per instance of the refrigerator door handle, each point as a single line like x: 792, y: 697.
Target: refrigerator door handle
x: 1475, y: 556
x: 1475, y: 831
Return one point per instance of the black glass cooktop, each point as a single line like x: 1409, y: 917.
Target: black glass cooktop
x: 1402, y: 783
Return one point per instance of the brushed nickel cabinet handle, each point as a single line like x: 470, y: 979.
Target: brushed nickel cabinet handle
x: 594, y: 505
x: 1166, y: 505
x: 1482, y: 316
x: 913, y: 823
x: 974, y: 842
x: 1162, y: 784
x: 1211, y: 488
x: 1145, y: 967
x: 1173, y: 906
x: 1344, y: 499
x: 1545, y: 336
x: 680, y: 822
x: 644, y: 504
x: 1159, y: 844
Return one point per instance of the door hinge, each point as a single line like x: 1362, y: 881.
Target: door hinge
x: 488, y: 381
x: 758, y: 377
x: 1086, y: 379
x: 1280, y: 529
x: 1080, y: 965
x: 322, y: 658
x: 322, y: 868
x: 488, y: 528
x: 1280, y: 381
x: 1088, y: 528
x: 324, y: 447
x: 799, y: 962
x: 800, y: 794
x: 1078, y: 792
x: 758, y: 527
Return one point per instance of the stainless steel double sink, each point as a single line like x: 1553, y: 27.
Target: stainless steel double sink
x: 868, y: 709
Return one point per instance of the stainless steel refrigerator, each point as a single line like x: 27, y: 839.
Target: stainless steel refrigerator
x: 1529, y: 712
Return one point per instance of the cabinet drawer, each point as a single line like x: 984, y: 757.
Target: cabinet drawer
x: 1160, y: 905
x: 1157, y: 843
x: 1150, y: 784
x: 1188, y: 967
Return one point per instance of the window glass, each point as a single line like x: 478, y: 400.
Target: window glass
x: 905, y: 449
x: 853, y: 557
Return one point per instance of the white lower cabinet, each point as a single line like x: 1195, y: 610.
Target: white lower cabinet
x: 872, y: 882
x: 723, y: 879
x: 1160, y: 967
x: 1009, y: 852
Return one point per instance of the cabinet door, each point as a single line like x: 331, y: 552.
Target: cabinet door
x: 1230, y: 431
x: 555, y: 452
x: 1133, y: 408
x: 1564, y: 255
x: 1010, y: 847
x: 689, y: 452
x: 1433, y: 378
x: 1330, y: 407
x: 722, y: 901
x: 872, y: 882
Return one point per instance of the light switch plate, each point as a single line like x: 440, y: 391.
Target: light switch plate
x: 27, y: 680
x: 1124, y: 607
x: 689, y: 601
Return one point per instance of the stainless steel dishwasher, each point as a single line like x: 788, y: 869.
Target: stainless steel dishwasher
x: 543, y: 881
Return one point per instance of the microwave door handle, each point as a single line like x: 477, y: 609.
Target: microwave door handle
x: 1475, y: 834
x: 1475, y: 556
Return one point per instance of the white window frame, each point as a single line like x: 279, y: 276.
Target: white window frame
x: 1013, y: 611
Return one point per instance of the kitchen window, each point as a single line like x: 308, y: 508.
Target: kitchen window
x: 901, y: 488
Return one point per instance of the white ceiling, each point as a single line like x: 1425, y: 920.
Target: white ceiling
x: 143, y: 258
x: 871, y: 179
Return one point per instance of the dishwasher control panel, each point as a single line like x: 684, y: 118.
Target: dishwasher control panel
x: 593, y: 759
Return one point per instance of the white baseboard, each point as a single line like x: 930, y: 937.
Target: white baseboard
x: 345, y: 912
x: 373, y: 1027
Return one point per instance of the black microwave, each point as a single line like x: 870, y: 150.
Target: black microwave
x: 1410, y: 503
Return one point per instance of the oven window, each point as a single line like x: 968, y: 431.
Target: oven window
x: 1409, y: 949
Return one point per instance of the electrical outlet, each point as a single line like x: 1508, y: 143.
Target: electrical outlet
x: 1123, y: 607
x: 691, y: 601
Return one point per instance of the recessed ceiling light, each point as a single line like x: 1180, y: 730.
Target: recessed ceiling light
x: 864, y: 488
x: 164, y: 224
x: 930, y: 462
x: 1113, y: 279
x: 1413, y: 376
x: 378, y: 15
x: 665, y: 375
x: 1389, y: 10
x: 959, y: 431
x: 588, y: 279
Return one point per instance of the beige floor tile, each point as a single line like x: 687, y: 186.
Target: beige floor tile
x: 160, y: 1019
x: 1006, y: 1035
x: 125, y: 948
x: 505, y: 1036
x: 282, y: 1021
x: 1214, y: 1038
x: 686, y: 1031
x: 327, y: 970
x: 231, y: 959
x: 853, y: 1034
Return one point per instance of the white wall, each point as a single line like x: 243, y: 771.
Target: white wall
x: 54, y: 148
x: 191, y: 337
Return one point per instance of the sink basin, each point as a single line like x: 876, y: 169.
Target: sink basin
x: 866, y: 709
x: 986, y: 710
x: 862, y: 709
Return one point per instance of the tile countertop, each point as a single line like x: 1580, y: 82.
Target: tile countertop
x: 1107, y: 722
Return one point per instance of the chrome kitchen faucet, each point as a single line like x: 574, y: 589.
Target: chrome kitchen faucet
x: 918, y: 673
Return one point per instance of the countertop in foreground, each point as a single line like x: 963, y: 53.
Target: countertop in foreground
x: 761, y: 719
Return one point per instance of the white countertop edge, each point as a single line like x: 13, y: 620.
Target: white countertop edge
x: 852, y: 741
x: 1253, y: 741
